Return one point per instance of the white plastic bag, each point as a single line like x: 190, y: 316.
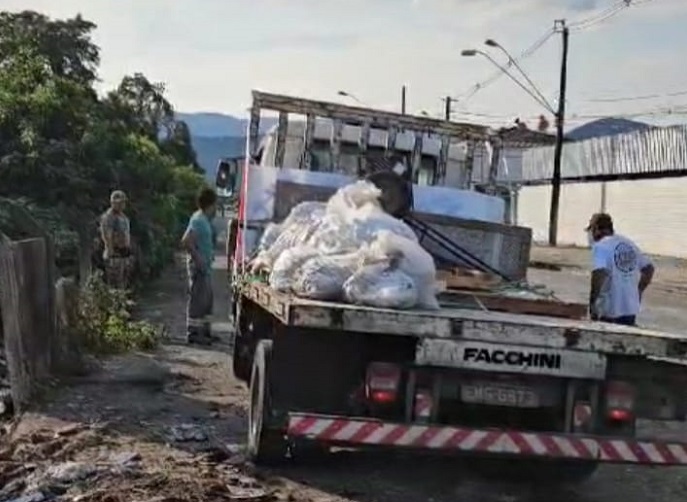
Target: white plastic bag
x: 295, y: 231
x: 412, y: 259
x: 306, y: 212
x: 285, y: 268
x: 369, y: 220
x: 334, y: 236
x: 381, y: 286
x: 349, y: 231
x: 322, y: 277
x: 269, y: 236
x: 353, y: 196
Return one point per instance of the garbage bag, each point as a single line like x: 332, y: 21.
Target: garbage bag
x: 369, y: 220
x: 381, y: 285
x: 295, y: 230
x: 352, y: 197
x: 409, y: 256
x: 322, y: 277
x: 285, y: 268
x: 349, y: 231
x: 269, y: 236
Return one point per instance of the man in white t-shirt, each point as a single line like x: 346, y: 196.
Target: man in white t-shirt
x: 620, y: 274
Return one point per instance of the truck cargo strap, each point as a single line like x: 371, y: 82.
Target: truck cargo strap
x: 364, y: 432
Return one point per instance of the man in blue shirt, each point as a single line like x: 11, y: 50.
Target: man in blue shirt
x: 199, y: 243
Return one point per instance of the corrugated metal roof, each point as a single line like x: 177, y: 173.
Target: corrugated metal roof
x: 654, y: 151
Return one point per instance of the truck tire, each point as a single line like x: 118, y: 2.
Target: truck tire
x: 241, y: 365
x: 265, y: 446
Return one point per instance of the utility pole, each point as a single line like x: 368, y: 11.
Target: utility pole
x: 403, y: 100
x: 558, y: 153
x: 447, y: 111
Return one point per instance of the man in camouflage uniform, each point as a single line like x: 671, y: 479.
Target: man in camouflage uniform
x: 115, y: 231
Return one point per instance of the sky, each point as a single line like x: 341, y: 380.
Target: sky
x: 211, y: 53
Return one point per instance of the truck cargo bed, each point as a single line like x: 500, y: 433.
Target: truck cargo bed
x: 460, y: 323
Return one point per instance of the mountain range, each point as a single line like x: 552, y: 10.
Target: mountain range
x: 215, y: 135
x: 606, y: 127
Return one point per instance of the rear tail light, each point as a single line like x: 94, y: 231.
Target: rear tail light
x: 620, y: 401
x: 382, y: 382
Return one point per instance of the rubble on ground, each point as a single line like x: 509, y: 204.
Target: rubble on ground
x: 6, y: 408
x: 84, y: 463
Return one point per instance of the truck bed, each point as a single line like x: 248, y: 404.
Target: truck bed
x: 468, y: 324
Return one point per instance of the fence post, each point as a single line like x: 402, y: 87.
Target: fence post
x: 26, y: 296
x: 70, y: 359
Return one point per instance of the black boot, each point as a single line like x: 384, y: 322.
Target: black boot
x: 198, y: 336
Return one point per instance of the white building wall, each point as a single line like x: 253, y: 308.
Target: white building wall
x: 651, y: 212
x: 578, y: 202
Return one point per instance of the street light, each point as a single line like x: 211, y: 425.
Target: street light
x: 490, y: 42
x: 561, y: 27
x: 475, y: 52
x: 351, y: 96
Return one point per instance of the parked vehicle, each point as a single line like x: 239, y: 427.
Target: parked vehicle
x: 488, y: 375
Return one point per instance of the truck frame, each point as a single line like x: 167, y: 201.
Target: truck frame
x: 501, y: 381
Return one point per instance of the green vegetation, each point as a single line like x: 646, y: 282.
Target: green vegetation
x: 64, y: 148
x: 104, y: 323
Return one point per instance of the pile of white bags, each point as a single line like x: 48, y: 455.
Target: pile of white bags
x: 348, y: 249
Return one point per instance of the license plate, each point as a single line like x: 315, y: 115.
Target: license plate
x: 498, y: 395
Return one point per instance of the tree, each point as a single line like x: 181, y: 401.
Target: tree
x: 62, y: 150
x: 179, y: 146
x: 142, y: 106
x: 42, y: 120
x: 66, y: 45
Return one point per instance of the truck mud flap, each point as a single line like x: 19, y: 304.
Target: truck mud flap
x: 363, y: 432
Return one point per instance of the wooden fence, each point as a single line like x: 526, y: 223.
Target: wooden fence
x: 35, y: 335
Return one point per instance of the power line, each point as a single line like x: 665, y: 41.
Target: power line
x: 599, y: 17
x: 679, y: 109
x: 660, y: 112
x: 638, y: 98
x: 474, y: 89
x: 574, y: 27
x: 605, y: 14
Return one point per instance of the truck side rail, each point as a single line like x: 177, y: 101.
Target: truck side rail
x: 369, y: 118
x: 466, y: 324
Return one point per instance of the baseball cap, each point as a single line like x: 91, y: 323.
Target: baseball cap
x: 117, y: 196
x: 600, y: 220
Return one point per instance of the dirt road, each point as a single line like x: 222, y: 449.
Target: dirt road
x: 170, y: 427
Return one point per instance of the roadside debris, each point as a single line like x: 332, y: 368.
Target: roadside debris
x: 81, y: 463
x: 6, y: 407
x: 187, y: 432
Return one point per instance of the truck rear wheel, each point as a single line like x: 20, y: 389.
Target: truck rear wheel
x: 240, y: 364
x: 265, y: 445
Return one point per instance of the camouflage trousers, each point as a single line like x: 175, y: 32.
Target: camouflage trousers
x: 118, y: 271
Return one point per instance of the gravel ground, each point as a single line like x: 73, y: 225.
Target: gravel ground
x: 170, y: 427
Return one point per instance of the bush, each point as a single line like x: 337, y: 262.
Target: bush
x: 104, y: 321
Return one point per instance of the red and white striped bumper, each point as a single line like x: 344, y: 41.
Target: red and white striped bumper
x: 367, y: 432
